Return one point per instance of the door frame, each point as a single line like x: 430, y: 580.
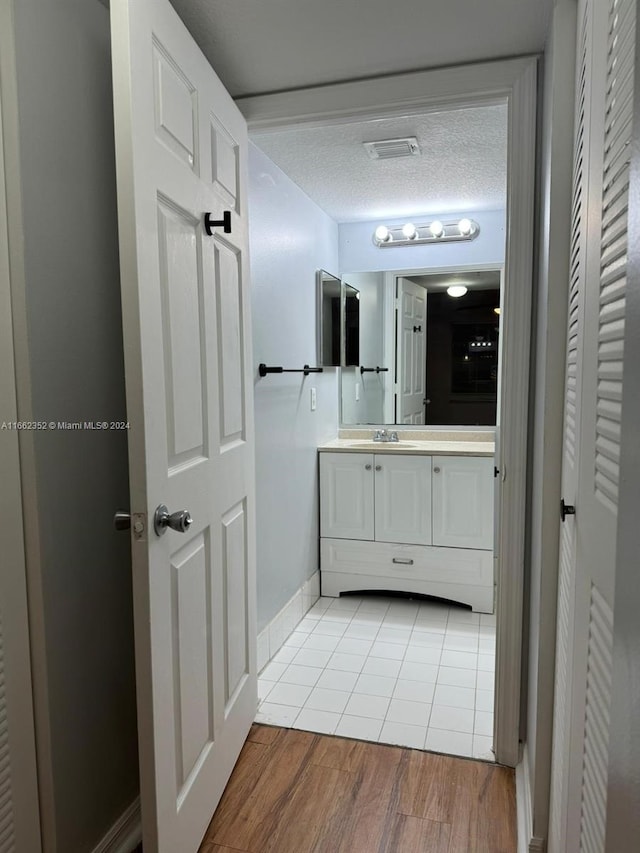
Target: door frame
x: 513, y: 82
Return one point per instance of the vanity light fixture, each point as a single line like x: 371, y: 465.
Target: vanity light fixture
x: 436, y: 231
x: 382, y: 235
x: 457, y: 290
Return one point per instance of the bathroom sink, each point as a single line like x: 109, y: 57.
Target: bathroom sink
x: 383, y: 445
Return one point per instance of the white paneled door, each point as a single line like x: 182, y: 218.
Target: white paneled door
x: 181, y: 147
x: 411, y: 356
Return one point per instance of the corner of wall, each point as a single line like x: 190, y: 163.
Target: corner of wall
x: 272, y: 638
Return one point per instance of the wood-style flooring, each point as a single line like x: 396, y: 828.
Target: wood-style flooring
x: 297, y: 792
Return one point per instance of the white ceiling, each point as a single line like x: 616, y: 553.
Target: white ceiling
x: 462, y: 166
x: 476, y: 280
x: 259, y: 46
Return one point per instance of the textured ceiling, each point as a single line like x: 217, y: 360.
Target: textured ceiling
x: 259, y: 46
x: 462, y: 166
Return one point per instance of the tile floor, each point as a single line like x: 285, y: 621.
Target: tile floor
x: 416, y: 674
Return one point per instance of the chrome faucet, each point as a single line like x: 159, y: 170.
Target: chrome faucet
x: 384, y: 435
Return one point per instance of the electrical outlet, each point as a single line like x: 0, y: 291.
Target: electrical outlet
x: 313, y: 399
x: 357, y: 391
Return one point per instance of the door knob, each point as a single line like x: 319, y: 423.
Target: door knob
x: 378, y: 467
x: 436, y: 470
x: 180, y: 521
x: 122, y: 520
x: 367, y: 467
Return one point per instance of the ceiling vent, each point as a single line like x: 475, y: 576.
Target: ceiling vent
x: 389, y: 149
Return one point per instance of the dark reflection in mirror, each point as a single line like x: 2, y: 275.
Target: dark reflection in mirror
x: 462, y: 358
x: 329, y: 309
x: 351, y: 326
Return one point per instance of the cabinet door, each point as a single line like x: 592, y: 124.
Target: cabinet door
x: 403, y: 499
x: 346, y: 495
x: 463, y: 501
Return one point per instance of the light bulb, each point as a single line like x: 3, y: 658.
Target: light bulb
x: 456, y: 290
x: 496, y: 311
x: 382, y: 233
x: 465, y: 226
x: 409, y: 231
x: 436, y: 228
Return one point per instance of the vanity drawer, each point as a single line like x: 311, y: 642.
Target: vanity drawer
x: 407, y: 562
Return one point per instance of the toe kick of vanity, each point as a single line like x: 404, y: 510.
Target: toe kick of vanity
x: 411, y: 523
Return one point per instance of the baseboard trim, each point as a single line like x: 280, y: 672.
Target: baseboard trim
x: 273, y: 636
x: 527, y: 843
x: 125, y: 834
x: 523, y: 803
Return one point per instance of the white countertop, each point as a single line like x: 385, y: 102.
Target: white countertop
x: 411, y: 446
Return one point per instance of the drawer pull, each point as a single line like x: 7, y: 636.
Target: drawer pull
x: 403, y: 561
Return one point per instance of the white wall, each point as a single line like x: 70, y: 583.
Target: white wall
x: 290, y: 239
x: 358, y: 251
x: 548, y: 362
x: 70, y: 368
x: 369, y: 409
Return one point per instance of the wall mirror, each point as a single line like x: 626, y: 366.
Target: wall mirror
x: 429, y: 347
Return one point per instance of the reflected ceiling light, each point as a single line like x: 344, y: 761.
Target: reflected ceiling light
x: 496, y: 311
x: 435, y: 231
x: 457, y: 290
x: 383, y: 234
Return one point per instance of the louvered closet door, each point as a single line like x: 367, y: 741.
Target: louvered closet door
x: 573, y: 381
x: 600, y: 430
x: 600, y: 403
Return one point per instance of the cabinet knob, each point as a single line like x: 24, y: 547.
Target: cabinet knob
x: 378, y: 467
x: 367, y: 467
x: 436, y: 470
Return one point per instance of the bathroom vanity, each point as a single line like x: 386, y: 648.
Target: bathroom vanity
x: 414, y: 515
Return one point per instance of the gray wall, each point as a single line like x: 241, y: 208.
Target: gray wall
x: 81, y: 572
x: 290, y: 238
x: 548, y: 361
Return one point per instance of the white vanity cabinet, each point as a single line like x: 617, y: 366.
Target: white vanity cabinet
x: 346, y: 487
x: 413, y: 523
x: 381, y: 497
x: 463, y: 501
